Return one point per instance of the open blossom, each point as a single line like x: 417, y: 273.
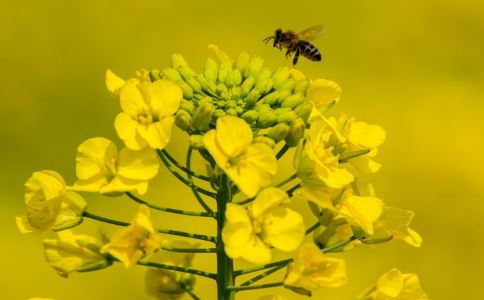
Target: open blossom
x: 318, y: 164
x: 395, y: 222
x: 100, y: 168
x: 74, y: 252
x: 394, y: 285
x: 250, y: 233
x: 136, y: 241
x: 251, y: 166
x: 148, y: 112
x: 322, y: 93
x: 168, y: 284
x: 362, y: 212
x: 50, y: 205
x: 312, y: 270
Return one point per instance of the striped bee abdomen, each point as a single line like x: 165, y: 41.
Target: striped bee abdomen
x: 309, y: 51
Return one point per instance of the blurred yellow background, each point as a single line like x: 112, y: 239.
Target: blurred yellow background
x: 414, y: 67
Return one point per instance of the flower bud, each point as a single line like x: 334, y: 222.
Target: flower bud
x: 265, y: 140
x: 304, y: 110
x: 242, y: 61
x: 218, y: 113
x: 210, y: 70
x: 224, y: 71
x: 266, y: 73
x: 247, y: 85
x: 287, y: 85
x: 178, y: 61
x: 172, y: 75
x: 264, y: 86
x: 271, y: 98
x: 189, y: 106
x: 236, y: 91
x: 203, y: 116
x: 186, y: 72
x: 231, y: 112
x: 301, y: 87
x: 196, y: 142
x: 204, y: 83
x: 234, y: 78
x: 154, y: 75
x: 222, y: 89
x: 266, y: 119
x: 254, y: 67
x: 194, y: 84
x: 187, y: 90
x: 280, y: 76
x: 183, y: 119
x: 252, y: 98
x: 293, y: 100
x: 278, y: 132
x: 286, y: 117
x: 296, y: 132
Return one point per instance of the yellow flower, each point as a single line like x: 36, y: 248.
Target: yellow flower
x: 251, y: 166
x: 100, y: 168
x: 312, y: 270
x: 395, y: 221
x: 74, y: 252
x: 136, y: 241
x: 318, y: 165
x: 167, y: 284
x: 322, y: 92
x: 114, y: 83
x: 321, y: 196
x: 148, y: 113
x: 362, y: 212
x: 50, y: 206
x: 393, y: 285
x: 250, y: 233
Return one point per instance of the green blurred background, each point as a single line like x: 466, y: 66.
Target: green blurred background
x: 414, y: 67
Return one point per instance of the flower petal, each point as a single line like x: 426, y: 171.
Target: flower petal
x: 232, y: 135
x: 284, y: 229
x: 132, y: 99
x: 165, y: 97
x: 92, y: 157
x: 157, y: 134
x: 138, y: 165
x: 126, y: 128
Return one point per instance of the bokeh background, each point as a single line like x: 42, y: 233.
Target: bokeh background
x: 414, y: 67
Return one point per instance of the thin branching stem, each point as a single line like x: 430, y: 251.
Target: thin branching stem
x: 192, y: 185
x: 178, y: 268
x: 255, y: 287
x: 282, y: 151
x: 189, y: 250
x: 160, y: 230
x: 291, y: 190
x: 313, y: 228
x: 192, y: 294
x: 170, y: 210
x: 183, y: 168
x: 262, y: 275
x: 287, y: 180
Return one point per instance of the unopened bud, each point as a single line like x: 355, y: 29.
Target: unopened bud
x: 178, y: 61
x: 304, y: 110
x: 266, y: 119
x: 271, y: 98
x: 250, y: 116
x: 234, y: 78
x: 266, y: 73
x: 210, y: 70
x: 221, y: 88
x: 231, y: 112
x: 154, y: 75
x: 278, y: 132
x: 296, y: 132
x: 293, y: 100
x: 236, y: 92
x: 265, y: 140
x: 242, y: 61
x: 252, y: 98
x: 254, y: 67
x: 189, y: 106
x: 187, y: 90
x: 196, y: 142
x: 286, y: 117
x: 172, y: 75
x: 247, y: 86
x: 194, y: 84
x: 224, y: 71
x: 203, y: 116
x: 218, y: 113
x: 264, y: 86
x: 280, y: 76
x: 289, y: 84
x: 183, y: 119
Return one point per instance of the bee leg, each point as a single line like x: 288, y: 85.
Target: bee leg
x: 288, y: 53
x: 296, y: 57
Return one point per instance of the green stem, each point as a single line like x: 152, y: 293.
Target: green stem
x: 170, y: 210
x: 192, y: 294
x: 190, y: 182
x: 345, y: 157
x: 255, y: 287
x: 182, y: 179
x: 291, y: 190
x: 287, y: 180
x: 179, y: 166
x: 178, y: 268
x: 262, y: 275
x: 284, y: 262
x: 189, y: 250
x: 160, y: 230
x: 225, y: 267
x: 313, y: 228
x: 282, y: 151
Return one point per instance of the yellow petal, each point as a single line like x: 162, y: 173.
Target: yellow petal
x: 93, y: 155
x: 238, y: 229
x: 93, y: 184
x: 255, y: 252
x: 113, y: 82
x: 132, y: 99
x: 139, y: 165
x: 322, y: 196
x: 126, y: 127
x: 365, y: 135
x: 362, y: 211
x: 267, y: 199
x: 157, y: 135
x: 395, y: 221
x: 120, y: 184
x: 165, y: 97
x: 283, y: 229
x: 233, y: 135
x: 321, y: 92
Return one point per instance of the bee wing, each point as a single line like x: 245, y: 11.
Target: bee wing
x: 311, y: 33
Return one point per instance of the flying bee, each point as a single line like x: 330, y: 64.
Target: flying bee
x: 298, y: 42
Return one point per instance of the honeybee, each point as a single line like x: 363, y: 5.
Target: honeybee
x: 298, y: 42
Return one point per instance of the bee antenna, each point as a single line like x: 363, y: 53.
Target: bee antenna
x: 267, y: 39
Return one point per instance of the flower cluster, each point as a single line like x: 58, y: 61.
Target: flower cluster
x: 241, y: 118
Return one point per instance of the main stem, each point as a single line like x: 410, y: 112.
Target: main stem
x: 225, y: 266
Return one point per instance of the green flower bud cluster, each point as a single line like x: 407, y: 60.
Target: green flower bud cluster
x: 272, y: 102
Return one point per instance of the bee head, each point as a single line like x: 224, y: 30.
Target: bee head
x: 277, y: 36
